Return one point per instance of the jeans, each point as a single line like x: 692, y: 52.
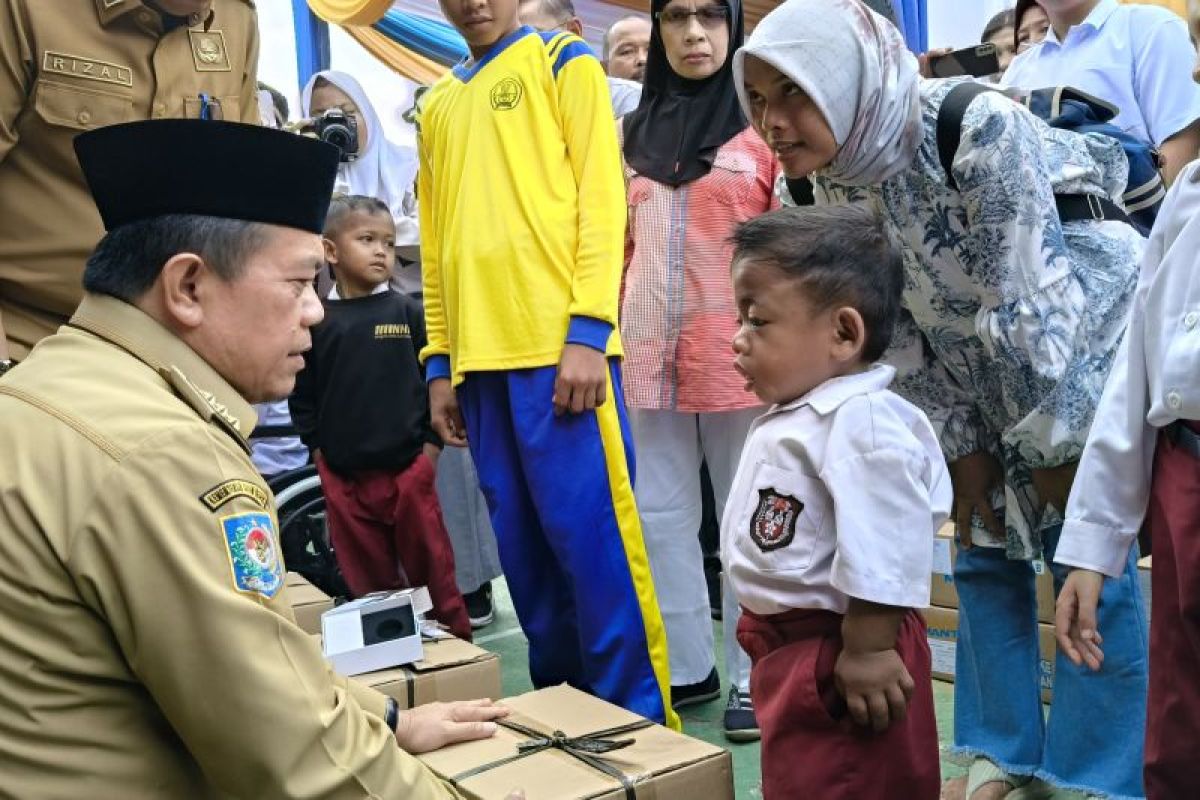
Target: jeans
x: 1093, y: 737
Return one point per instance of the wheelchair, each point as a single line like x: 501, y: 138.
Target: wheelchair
x: 303, y: 535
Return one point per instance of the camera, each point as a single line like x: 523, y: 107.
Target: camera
x: 335, y: 127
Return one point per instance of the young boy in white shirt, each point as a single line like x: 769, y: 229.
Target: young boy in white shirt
x: 1141, y: 466
x: 828, y: 533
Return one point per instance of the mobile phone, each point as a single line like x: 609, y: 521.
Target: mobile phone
x: 979, y: 61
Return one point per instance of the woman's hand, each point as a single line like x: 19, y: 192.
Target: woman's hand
x: 974, y: 477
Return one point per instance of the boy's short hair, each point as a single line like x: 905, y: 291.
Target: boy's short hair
x: 343, y: 205
x: 843, y: 256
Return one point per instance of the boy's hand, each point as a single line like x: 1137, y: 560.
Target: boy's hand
x: 1075, y: 618
x: 582, y: 380
x: 869, y: 672
x: 876, y: 685
x: 973, y: 478
x: 444, y: 414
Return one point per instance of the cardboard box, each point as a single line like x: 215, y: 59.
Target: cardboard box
x: 941, y: 589
x: 942, y: 633
x: 308, y: 602
x: 943, y: 593
x: 1047, y: 653
x: 451, y: 670
x: 660, y: 763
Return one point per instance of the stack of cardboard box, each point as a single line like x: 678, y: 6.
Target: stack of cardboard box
x: 561, y: 744
x: 449, y: 669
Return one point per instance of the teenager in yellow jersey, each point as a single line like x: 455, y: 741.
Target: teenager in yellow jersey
x: 522, y: 206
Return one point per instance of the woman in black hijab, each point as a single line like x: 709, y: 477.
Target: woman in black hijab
x: 695, y: 170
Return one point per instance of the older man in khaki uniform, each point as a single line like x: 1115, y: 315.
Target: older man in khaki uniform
x: 147, y: 647
x: 68, y: 66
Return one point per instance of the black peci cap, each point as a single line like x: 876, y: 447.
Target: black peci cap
x: 141, y: 170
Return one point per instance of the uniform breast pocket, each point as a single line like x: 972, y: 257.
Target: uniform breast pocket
x: 781, y: 519
x: 731, y: 179
x: 226, y: 107
x: 639, y: 190
x: 81, y: 107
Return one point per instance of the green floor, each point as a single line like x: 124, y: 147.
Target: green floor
x: 504, y: 637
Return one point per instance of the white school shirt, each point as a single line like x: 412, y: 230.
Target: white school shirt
x: 1155, y: 380
x: 838, y: 494
x: 1137, y: 57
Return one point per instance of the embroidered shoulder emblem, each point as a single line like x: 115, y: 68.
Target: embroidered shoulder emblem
x: 253, y: 553
x: 774, y: 522
x: 226, y: 491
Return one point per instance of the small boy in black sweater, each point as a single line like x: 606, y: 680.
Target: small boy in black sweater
x: 361, y: 405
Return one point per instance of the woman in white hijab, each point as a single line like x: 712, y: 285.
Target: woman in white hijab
x: 1013, y: 319
x: 388, y: 171
x: 383, y: 169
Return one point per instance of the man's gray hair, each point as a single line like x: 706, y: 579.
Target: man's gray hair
x: 604, y: 41
x: 558, y: 10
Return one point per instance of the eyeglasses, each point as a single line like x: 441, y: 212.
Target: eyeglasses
x: 709, y: 16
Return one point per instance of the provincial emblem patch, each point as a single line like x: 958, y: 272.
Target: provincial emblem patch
x: 253, y: 553
x: 774, y: 522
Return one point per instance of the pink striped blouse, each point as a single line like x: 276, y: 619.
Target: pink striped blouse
x: 677, y: 311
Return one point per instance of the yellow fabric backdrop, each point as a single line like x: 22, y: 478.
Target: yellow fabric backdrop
x: 350, y: 12
x: 411, y: 65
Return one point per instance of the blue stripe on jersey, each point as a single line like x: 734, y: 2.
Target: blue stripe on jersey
x: 571, y: 52
x: 554, y: 43
x: 465, y: 73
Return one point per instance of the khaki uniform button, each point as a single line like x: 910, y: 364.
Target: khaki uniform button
x: 194, y: 19
x: 1191, y: 320
x: 160, y: 109
x: 1174, y: 400
x: 145, y: 17
x: 84, y: 117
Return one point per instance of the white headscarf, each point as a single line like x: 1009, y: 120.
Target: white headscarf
x: 383, y: 170
x: 854, y: 65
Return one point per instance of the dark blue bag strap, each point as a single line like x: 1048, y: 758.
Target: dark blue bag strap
x: 950, y: 120
x: 949, y: 136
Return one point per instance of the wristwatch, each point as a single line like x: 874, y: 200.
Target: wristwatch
x: 5, y: 365
x: 391, y: 717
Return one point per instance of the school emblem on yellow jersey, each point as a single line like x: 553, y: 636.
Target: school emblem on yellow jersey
x: 253, y: 553
x: 774, y: 523
x: 209, y: 52
x: 506, y: 94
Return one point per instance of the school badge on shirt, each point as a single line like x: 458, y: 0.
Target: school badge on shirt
x: 253, y: 553
x: 506, y: 94
x: 774, y: 522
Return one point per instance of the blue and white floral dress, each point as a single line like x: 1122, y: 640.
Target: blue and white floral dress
x: 1013, y: 317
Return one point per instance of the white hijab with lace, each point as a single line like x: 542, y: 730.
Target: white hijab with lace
x: 854, y: 65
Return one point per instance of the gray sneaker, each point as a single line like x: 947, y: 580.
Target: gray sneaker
x: 740, y: 723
